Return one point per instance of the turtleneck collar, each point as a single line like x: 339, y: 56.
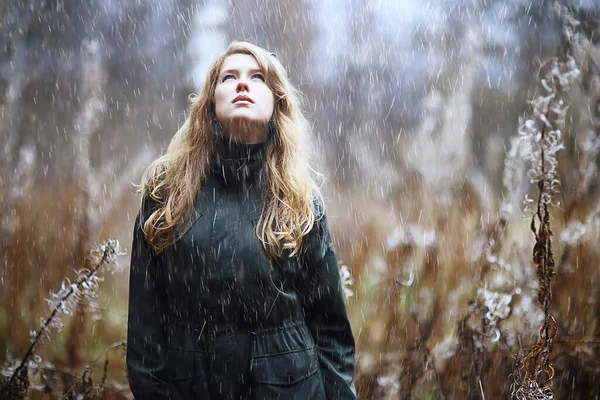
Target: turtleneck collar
x: 235, y: 162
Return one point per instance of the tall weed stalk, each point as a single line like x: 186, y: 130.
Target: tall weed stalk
x: 65, y: 301
x: 541, y: 135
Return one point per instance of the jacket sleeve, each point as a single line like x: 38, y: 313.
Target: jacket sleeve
x: 145, y: 355
x: 325, y: 313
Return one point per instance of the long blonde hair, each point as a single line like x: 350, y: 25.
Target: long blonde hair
x: 174, y: 180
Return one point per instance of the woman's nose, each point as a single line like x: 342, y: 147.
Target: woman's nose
x: 242, y: 85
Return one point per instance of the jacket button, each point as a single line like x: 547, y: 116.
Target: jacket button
x: 290, y: 378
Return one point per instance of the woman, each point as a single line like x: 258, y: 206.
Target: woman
x: 234, y: 286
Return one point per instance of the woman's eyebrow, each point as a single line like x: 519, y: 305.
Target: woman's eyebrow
x: 237, y: 70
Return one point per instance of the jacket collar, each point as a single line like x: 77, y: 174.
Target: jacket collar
x: 235, y: 162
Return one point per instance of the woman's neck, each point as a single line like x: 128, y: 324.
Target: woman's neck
x: 245, y: 132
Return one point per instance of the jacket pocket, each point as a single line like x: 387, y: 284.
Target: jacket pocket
x: 288, y: 375
x: 183, y: 382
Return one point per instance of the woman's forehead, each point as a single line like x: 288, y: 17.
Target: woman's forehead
x: 240, y: 61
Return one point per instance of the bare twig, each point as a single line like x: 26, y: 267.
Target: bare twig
x: 106, y: 350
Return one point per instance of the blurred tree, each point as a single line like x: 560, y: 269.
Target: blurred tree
x: 283, y: 27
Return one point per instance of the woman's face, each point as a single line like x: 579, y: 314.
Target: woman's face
x: 242, y: 98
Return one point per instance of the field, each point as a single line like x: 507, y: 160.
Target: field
x: 470, y: 258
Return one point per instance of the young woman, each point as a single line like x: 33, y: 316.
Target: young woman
x: 234, y: 285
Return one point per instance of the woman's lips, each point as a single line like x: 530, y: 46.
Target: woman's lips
x: 243, y: 98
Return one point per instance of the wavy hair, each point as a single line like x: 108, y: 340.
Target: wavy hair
x: 172, y: 182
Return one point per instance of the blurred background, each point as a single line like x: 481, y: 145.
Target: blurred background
x: 413, y: 106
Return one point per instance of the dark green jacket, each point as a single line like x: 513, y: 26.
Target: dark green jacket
x: 212, y: 317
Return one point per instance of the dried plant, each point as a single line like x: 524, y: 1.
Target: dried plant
x: 347, y: 280
x: 65, y: 301
x: 84, y: 387
x: 542, y: 137
x: 479, y: 331
x: 528, y: 388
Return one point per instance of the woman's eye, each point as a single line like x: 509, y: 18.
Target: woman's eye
x: 262, y: 78
x: 227, y: 76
